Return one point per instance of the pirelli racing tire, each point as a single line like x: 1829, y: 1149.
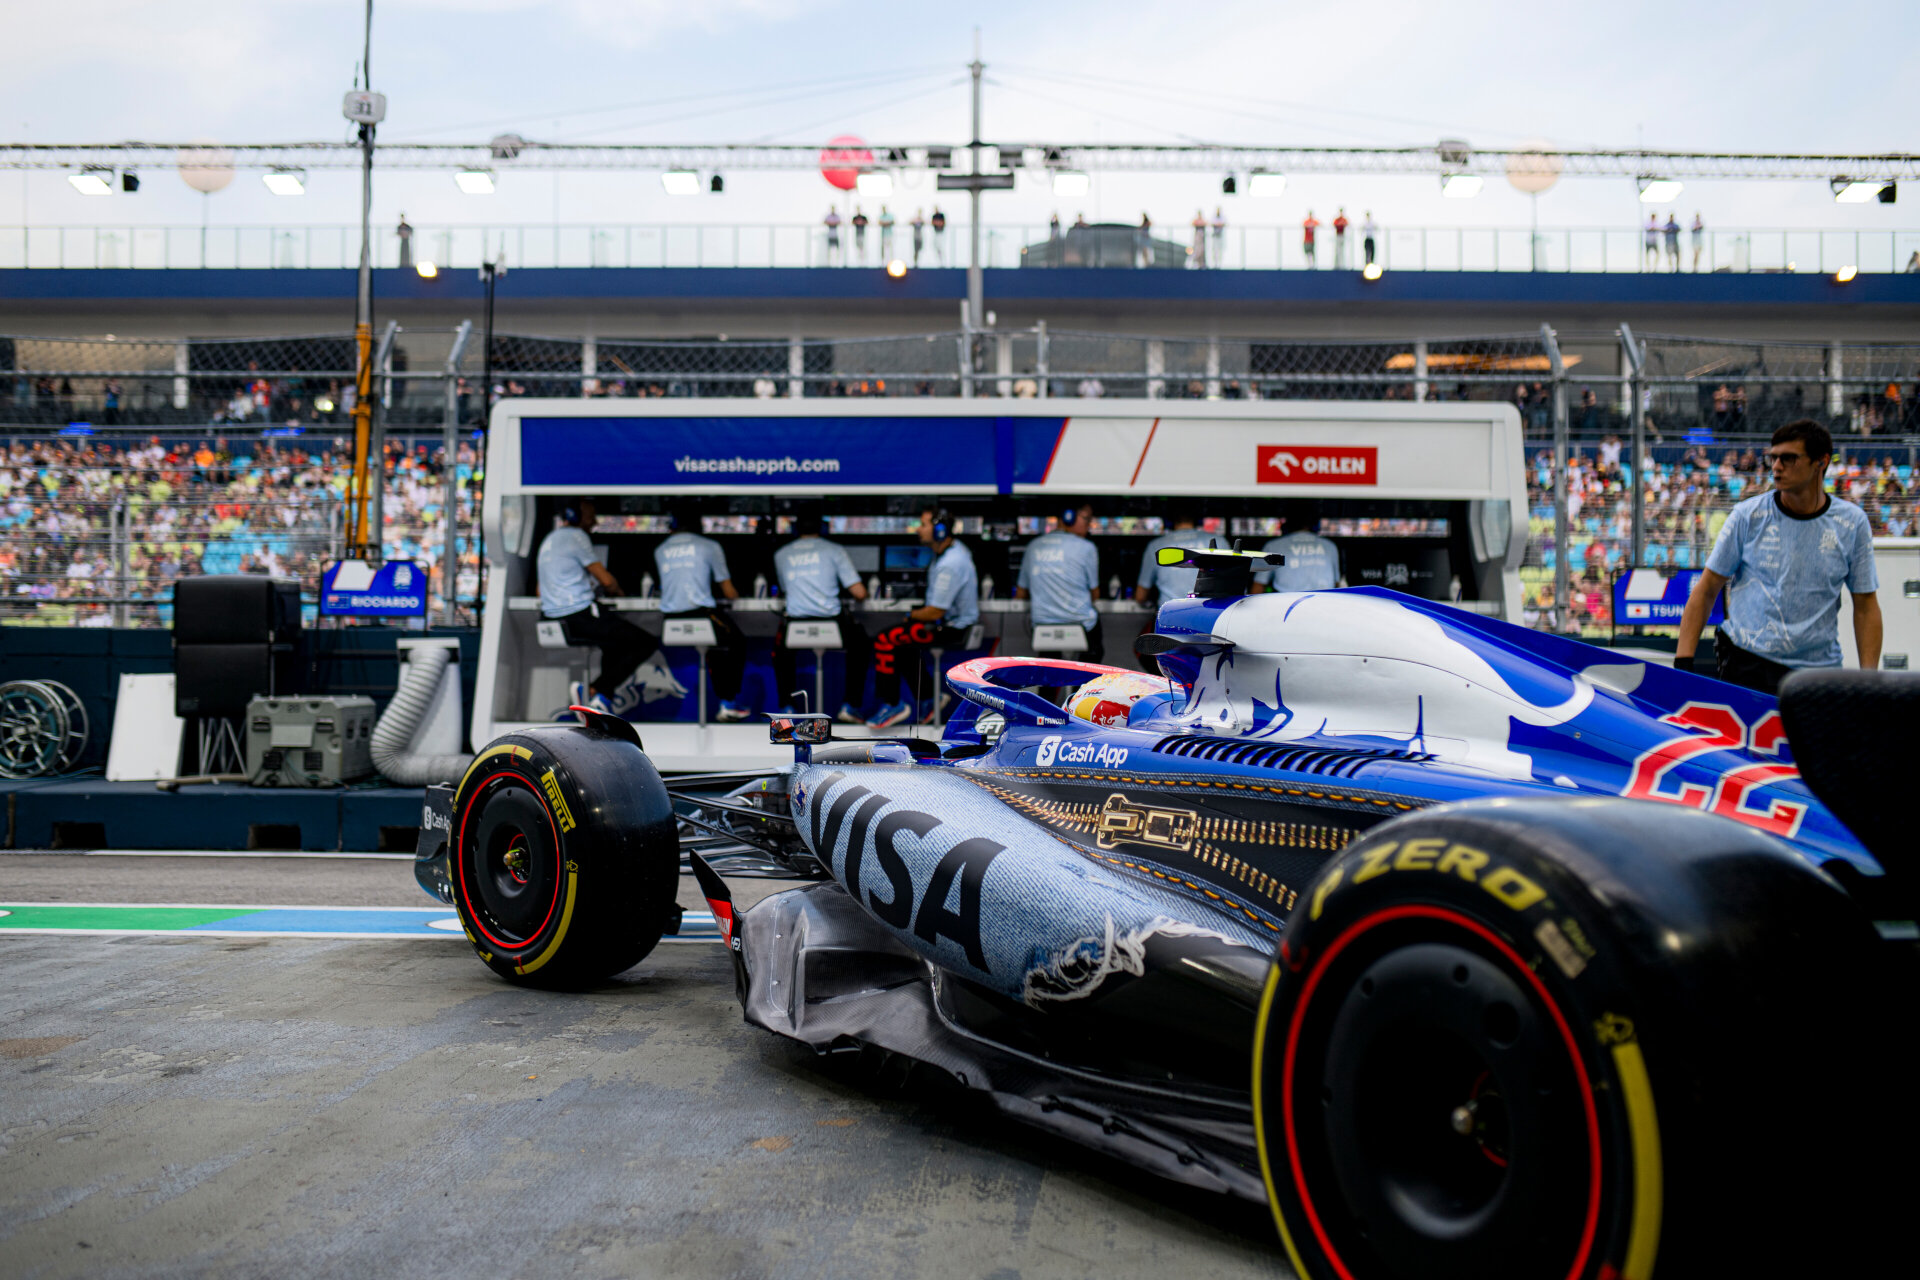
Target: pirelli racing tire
x: 564, y: 863
x: 1567, y: 1039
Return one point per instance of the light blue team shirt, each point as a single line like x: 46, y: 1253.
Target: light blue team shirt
x: 951, y: 585
x: 689, y: 566
x: 1313, y: 563
x: 1059, y: 572
x: 1172, y: 583
x: 565, y: 586
x: 811, y: 572
x: 1784, y: 574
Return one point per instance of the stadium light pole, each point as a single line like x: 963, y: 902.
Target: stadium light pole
x: 973, y: 183
x: 366, y: 109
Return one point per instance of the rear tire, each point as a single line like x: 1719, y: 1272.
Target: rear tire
x: 1540, y: 1039
x: 565, y: 864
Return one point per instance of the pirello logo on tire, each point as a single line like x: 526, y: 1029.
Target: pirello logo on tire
x: 1318, y: 464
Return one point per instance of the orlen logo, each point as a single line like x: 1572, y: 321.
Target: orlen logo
x: 1318, y: 464
x: 1054, y: 751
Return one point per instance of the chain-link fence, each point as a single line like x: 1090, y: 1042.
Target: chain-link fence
x: 133, y: 462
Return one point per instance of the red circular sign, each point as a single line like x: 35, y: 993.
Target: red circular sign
x: 842, y: 160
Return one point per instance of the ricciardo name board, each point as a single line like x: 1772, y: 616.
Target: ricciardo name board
x: 1318, y: 464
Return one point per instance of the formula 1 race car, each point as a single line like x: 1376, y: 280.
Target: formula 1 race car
x: 1470, y: 950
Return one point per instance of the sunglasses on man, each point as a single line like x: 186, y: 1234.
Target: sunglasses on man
x: 1783, y: 459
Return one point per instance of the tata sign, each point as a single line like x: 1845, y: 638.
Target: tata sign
x: 1318, y: 464
x: 356, y: 589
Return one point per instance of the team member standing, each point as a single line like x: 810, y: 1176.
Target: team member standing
x: 952, y: 608
x: 1784, y: 557
x: 812, y: 571
x: 1060, y: 574
x: 691, y: 568
x: 568, y: 574
x: 1160, y: 583
x: 1312, y: 563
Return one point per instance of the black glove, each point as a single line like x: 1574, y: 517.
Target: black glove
x: 1683, y: 663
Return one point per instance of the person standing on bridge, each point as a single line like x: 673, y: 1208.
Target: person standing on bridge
x: 939, y: 224
x: 886, y: 235
x: 919, y: 225
x: 1783, y: 557
x: 833, y: 235
x: 404, y: 233
x: 1369, y: 232
x: 1340, y: 239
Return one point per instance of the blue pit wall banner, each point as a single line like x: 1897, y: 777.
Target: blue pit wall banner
x: 356, y: 589
x: 1657, y: 598
x: 834, y: 452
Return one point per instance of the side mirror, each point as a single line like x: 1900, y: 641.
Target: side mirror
x: 802, y: 730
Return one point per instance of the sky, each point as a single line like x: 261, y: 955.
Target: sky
x: 1708, y: 76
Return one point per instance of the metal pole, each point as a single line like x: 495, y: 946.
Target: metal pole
x: 976, y: 281
x: 966, y: 354
x: 450, y: 468
x: 1420, y: 370
x: 363, y: 317
x: 1638, y: 437
x: 1041, y: 357
x: 376, y: 538
x: 118, y: 521
x: 1561, y: 577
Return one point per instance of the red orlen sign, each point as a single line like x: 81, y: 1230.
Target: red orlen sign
x: 1319, y: 464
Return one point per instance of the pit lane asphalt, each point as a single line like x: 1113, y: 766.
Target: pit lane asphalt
x: 174, y: 1106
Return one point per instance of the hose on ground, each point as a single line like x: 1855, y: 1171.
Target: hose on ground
x: 420, y: 677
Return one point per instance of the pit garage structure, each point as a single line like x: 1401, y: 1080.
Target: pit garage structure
x: 1420, y: 496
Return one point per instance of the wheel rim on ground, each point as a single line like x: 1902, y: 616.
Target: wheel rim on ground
x: 510, y: 864
x: 1440, y: 1119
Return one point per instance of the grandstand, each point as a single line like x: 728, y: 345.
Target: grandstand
x: 130, y: 464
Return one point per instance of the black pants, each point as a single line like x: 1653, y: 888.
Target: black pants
x: 854, y: 642
x: 622, y: 645
x: 727, y: 660
x: 898, y: 651
x: 1749, y: 670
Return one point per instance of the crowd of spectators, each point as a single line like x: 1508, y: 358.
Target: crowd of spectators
x: 1688, y: 495
x: 73, y: 510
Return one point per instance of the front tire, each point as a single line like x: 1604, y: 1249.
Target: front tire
x: 1534, y: 1039
x: 565, y: 863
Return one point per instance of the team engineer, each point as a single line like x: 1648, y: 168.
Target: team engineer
x: 811, y: 571
x: 951, y: 610
x: 1783, y: 557
x: 568, y: 574
x: 691, y: 567
x: 1160, y: 583
x: 1312, y: 562
x: 1060, y: 574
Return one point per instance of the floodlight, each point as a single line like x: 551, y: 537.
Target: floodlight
x: 875, y: 186
x: 897, y: 269
x: 92, y: 181
x: 426, y: 269
x: 1845, y: 274
x: 475, y: 182
x: 1461, y: 186
x: 1371, y: 271
x: 1071, y: 184
x: 1262, y: 183
x: 1658, y: 190
x: 1228, y: 186
x: 1850, y: 191
x: 286, y: 182
x: 718, y: 185
x: 129, y: 182
x: 681, y: 182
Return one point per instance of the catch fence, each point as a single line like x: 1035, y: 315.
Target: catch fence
x: 132, y: 462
